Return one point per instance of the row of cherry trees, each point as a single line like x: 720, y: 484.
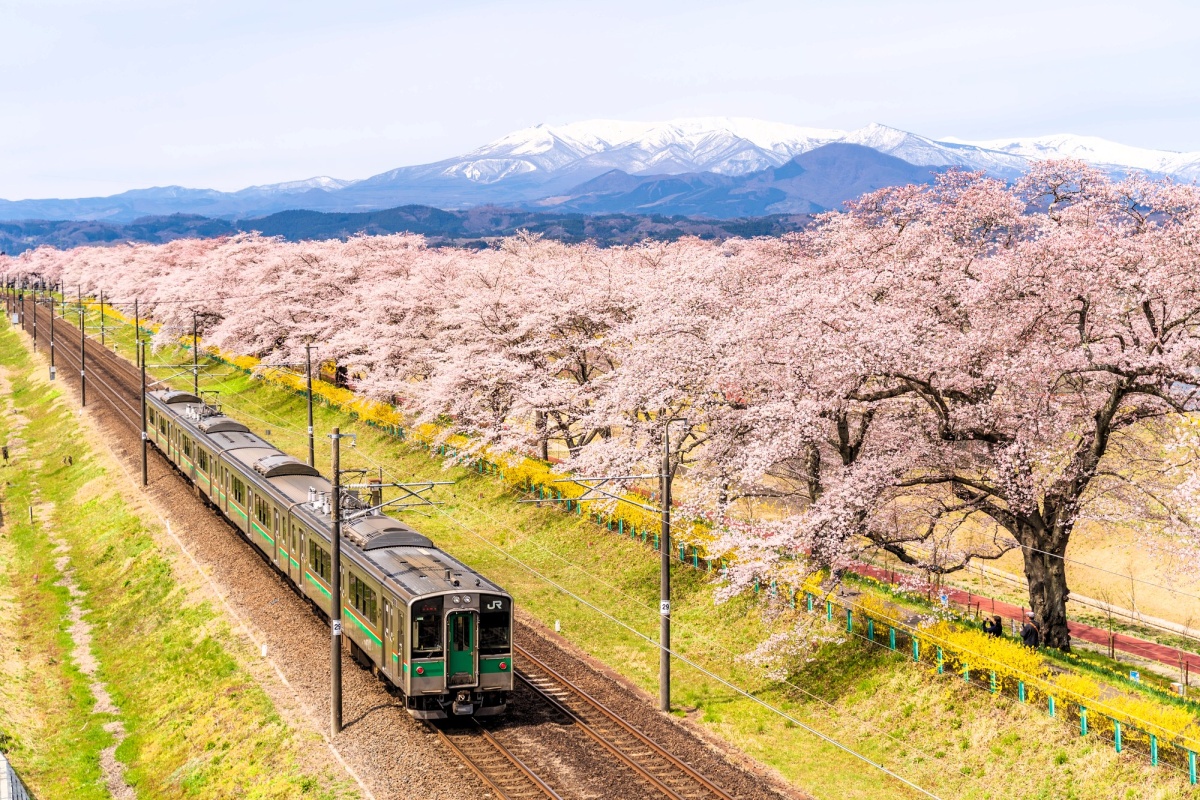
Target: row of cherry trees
x: 945, y: 372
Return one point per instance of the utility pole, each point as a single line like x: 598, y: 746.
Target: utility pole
x: 35, y: 319
x: 195, y: 359
x: 102, y: 318
x: 335, y: 609
x: 312, y: 461
x: 664, y: 581
x: 141, y: 353
x: 82, y: 360
x: 137, y: 324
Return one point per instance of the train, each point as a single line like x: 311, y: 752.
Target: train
x: 424, y: 622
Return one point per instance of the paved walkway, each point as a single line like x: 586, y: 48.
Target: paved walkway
x: 1141, y: 648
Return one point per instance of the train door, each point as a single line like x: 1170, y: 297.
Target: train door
x: 291, y: 559
x: 460, y: 654
x: 280, y: 544
x: 389, y: 640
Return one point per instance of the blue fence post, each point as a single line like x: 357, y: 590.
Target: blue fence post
x: 891, y: 637
x: 1153, y: 750
x: 1192, y: 766
x: 1082, y: 721
x: 941, y: 666
x: 1117, y: 735
x: 1021, y: 691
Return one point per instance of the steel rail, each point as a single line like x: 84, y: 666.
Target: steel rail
x: 679, y: 767
x: 528, y: 784
x: 115, y: 395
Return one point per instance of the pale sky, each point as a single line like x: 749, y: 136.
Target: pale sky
x: 100, y: 97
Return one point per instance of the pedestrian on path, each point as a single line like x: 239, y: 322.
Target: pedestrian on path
x: 1031, y: 637
x: 5, y: 449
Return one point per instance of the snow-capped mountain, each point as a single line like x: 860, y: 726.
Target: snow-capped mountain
x: 1094, y: 150
x: 547, y: 164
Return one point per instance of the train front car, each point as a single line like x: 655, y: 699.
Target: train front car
x: 455, y: 649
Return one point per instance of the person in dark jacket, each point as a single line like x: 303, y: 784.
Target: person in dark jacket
x: 1030, y: 635
x: 993, y: 626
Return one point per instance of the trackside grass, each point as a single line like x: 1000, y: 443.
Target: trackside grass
x: 197, y: 723
x: 950, y: 738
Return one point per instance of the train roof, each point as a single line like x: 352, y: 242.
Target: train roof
x: 405, y: 557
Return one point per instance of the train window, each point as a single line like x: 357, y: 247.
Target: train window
x: 187, y: 446
x: 150, y: 416
x: 239, y: 491
x: 262, y: 511
x: 319, y: 560
x: 202, y: 460
x: 363, y: 599
x: 494, y: 625
x: 427, y: 628
x: 162, y: 425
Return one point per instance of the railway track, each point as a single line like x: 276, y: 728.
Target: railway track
x: 666, y: 774
x: 114, y: 386
x: 494, y: 764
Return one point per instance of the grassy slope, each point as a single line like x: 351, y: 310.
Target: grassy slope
x: 956, y: 741
x: 198, y: 724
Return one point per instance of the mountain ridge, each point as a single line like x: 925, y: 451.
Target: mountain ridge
x: 547, y: 161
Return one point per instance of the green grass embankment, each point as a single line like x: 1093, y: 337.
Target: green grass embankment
x: 952, y: 739
x: 198, y: 724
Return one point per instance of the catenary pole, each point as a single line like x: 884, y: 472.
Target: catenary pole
x: 52, y: 336
x: 141, y: 355
x: 195, y: 359
x: 82, y: 360
x: 102, y: 318
x: 335, y: 608
x: 664, y: 581
x: 312, y: 460
x: 35, y: 319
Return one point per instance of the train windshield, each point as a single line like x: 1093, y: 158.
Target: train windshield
x: 427, y: 628
x: 495, y: 628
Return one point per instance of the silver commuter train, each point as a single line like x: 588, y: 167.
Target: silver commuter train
x: 425, y: 622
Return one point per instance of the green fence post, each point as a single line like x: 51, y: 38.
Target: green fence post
x: 682, y: 548
x: 849, y: 621
x: 993, y: 682
x: 891, y: 638
x: 1082, y: 721
x: 871, y: 629
x: 966, y: 673
x: 792, y: 597
x: 621, y: 526
x: 1021, y: 691
x: 695, y: 558
x: 1192, y: 766
x: 1153, y: 750
x: 828, y: 611
x: 808, y: 598
x: 1117, y: 735
x: 941, y: 666
x: 773, y: 589
x: 656, y: 547
x: 916, y: 649
x: 1052, y: 705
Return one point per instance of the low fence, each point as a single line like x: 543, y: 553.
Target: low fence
x: 11, y: 787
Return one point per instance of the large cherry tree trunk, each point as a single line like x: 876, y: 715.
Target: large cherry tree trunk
x: 1046, y: 574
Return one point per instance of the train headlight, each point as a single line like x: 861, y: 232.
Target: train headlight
x: 457, y: 599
